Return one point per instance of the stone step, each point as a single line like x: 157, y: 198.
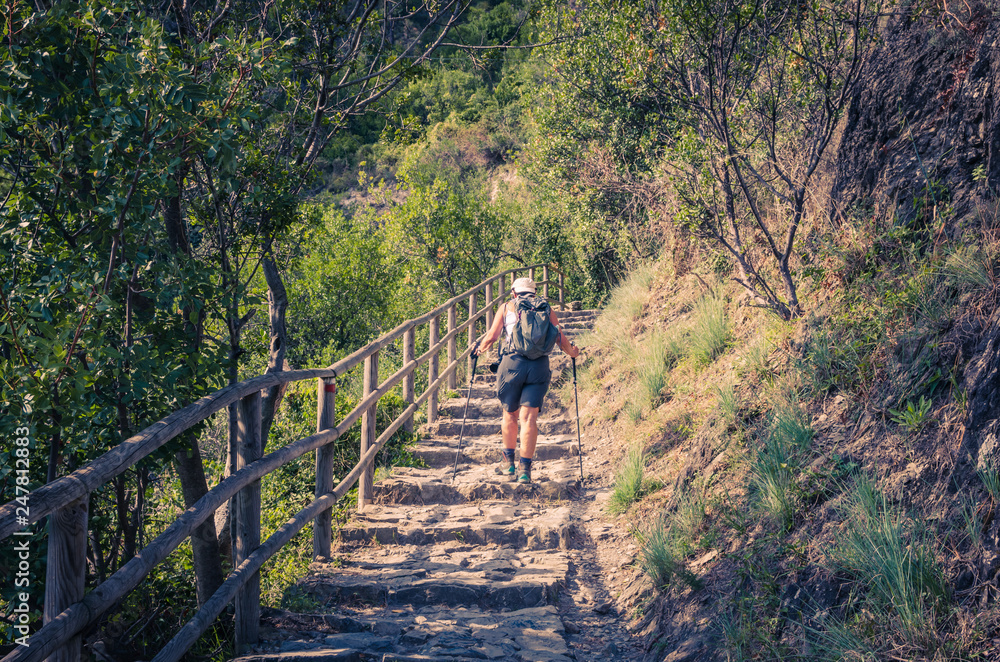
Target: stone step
x: 553, y: 480
x: 485, y: 387
x: 516, y: 524
x: 433, y: 634
x: 491, y: 426
x: 456, y: 574
x: 564, y: 314
x: 489, y: 408
x: 440, y: 452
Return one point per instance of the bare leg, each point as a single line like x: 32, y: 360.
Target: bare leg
x: 508, y: 429
x: 529, y: 431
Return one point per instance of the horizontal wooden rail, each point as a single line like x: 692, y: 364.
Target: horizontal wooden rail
x: 54, y: 496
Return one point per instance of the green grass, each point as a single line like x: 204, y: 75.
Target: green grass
x: 625, y: 304
x: 890, y: 558
x: 776, y: 465
x: 629, y: 481
x: 973, y: 525
x: 756, y: 359
x: 633, y: 410
x: 688, y: 518
x: 652, y: 381
x: 991, y: 481
x: 728, y: 406
x: 660, y: 556
x: 841, y: 357
x: 914, y: 417
x: 833, y: 641
x: 658, y: 355
x: 968, y: 269
x: 709, y: 333
x: 665, y: 544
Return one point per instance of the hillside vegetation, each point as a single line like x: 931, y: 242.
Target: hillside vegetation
x: 805, y: 493
x: 788, y: 210
x: 825, y: 487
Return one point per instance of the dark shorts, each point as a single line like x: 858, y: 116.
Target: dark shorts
x: 522, y: 382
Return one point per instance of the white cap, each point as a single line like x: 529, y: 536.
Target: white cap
x: 523, y: 285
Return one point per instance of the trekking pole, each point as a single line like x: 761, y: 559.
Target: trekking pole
x: 461, y: 434
x: 579, y: 439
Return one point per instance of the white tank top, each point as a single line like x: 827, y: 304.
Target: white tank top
x: 509, y: 319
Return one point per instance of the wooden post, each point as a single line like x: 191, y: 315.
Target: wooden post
x: 452, y: 346
x: 489, y: 305
x: 326, y: 418
x: 66, y: 569
x: 367, y: 480
x: 545, y: 285
x: 531, y: 273
x: 247, y: 519
x: 409, y: 352
x: 562, y: 302
x: 472, y: 330
x: 432, y: 371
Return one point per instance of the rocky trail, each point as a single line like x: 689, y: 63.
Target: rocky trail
x: 477, y: 568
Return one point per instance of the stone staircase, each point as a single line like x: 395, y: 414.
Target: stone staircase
x: 456, y: 570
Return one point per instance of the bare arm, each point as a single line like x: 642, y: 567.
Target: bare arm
x: 491, y: 336
x: 565, y: 344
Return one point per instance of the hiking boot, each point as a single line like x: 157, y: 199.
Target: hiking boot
x: 523, y: 475
x: 506, y: 470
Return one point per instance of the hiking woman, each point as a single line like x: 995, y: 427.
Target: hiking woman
x: 521, y: 381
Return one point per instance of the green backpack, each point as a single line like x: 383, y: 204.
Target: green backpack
x: 533, y: 335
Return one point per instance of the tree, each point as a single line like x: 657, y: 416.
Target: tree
x: 714, y: 114
x: 101, y: 313
x: 598, y: 135
x: 457, y: 239
x: 298, y: 73
x: 344, y: 287
x: 759, y: 89
x: 151, y: 154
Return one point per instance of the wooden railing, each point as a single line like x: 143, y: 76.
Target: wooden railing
x: 68, y: 611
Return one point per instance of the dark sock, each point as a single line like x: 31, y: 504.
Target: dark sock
x: 509, y: 454
x: 526, y: 463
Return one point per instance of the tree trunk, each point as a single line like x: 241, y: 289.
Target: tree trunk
x: 190, y: 470
x: 204, y: 543
x: 277, y: 305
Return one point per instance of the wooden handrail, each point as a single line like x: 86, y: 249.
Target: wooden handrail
x: 197, y: 626
x: 56, y: 495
